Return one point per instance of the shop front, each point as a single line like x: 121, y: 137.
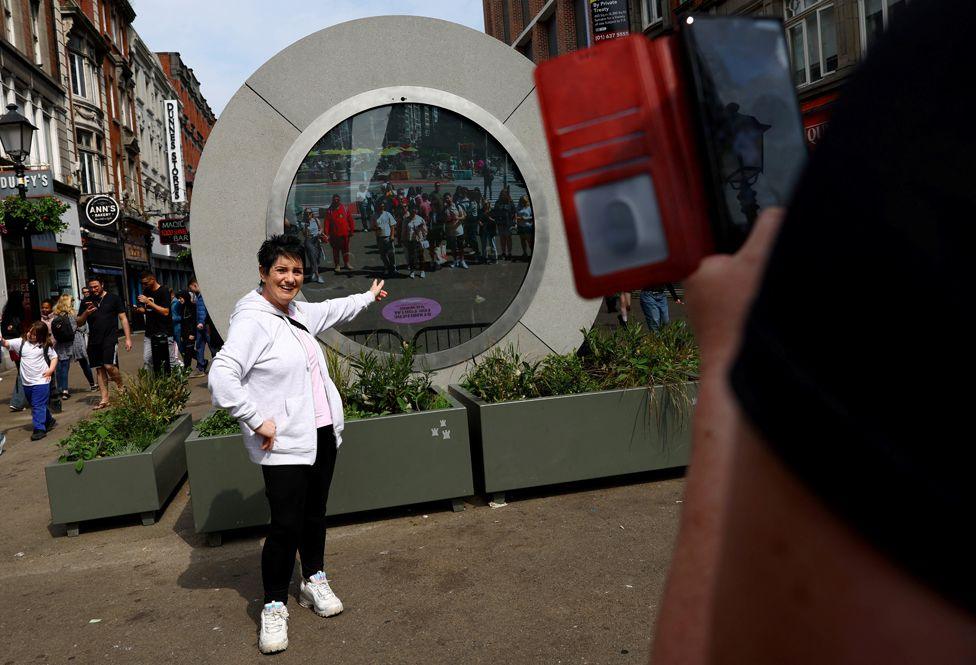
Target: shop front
x: 103, y: 258
x: 816, y: 117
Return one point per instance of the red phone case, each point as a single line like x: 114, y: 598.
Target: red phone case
x: 613, y: 113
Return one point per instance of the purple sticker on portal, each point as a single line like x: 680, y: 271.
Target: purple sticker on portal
x: 412, y: 310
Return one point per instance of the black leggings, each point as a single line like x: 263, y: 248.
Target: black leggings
x: 297, y: 494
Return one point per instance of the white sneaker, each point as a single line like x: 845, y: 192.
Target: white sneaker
x: 411, y: 274
x: 318, y: 595
x: 423, y: 275
x: 464, y: 264
x: 320, y: 279
x: 274, y: 628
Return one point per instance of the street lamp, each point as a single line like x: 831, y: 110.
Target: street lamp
x: 16, y: 134
x: 743, y: 160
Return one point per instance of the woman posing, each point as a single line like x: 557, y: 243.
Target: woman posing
x: 272, y: 377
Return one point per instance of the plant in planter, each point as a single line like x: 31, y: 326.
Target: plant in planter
x: 39, y: 215
x: 126, y: 459
x: 147, y: 404
x: 582, y: 415
x: 404, y: 443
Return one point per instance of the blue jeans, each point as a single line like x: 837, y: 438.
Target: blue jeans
x: 655, y: 308
x: 61, y: 373
x: 38, y: 397
x: 202, y: 342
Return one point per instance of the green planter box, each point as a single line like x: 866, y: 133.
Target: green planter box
x: 550, y: 440
x: 123, y: 485
x: 383, y: 462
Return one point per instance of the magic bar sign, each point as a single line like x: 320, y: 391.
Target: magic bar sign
x: 174, y: 232
x: 174, y: 151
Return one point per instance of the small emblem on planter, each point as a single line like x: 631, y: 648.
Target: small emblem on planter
x: 435, y: 432
x: 412, y: 310
x: 446, y: 434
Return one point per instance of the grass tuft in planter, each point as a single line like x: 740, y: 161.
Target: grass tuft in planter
x: 145, y: 406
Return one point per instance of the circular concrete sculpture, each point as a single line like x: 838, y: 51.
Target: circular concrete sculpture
x: 241, y: 192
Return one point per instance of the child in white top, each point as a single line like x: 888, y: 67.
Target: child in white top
x: 37, y: 364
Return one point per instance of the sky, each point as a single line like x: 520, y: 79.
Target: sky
x: 225, y: 41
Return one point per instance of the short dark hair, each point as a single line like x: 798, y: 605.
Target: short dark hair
x: 193, y: 280
x: 95, y: 278
x: 147, y: 273
x: 280, y: 245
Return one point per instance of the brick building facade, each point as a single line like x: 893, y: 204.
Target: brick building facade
x: 198, y: 119
x: 827, y: 38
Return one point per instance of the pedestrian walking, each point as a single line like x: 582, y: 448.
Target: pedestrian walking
x: 505, y: 219
x: 272, y: 377
x: 205, y: 335
x: 525, y: 225
x: 487, y: 230
x: 339, y: 228
x: 416, y: 242
x: 454, y: 223
x: 12, y: 327
x: 103, y: 312
x: 155, y: 302
x: 364, y: 205
x: 69, y: 344
x: 38, y: 363
x: 654, y: 304
x: 384, y: 226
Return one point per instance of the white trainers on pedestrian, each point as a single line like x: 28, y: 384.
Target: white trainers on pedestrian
x: 274, y: 628
x: 464, y: 264
x: 318, y: 595
x: 412, y: 274
x: 423, y: 275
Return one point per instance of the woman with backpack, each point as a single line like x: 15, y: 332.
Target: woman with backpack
x: 37, y: 366
x: 69, y: 343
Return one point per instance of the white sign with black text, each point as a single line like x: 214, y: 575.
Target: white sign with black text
x: 174, y: 151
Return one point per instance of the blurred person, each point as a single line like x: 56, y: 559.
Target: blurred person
x: 384, y: 226
x: 339, y: 228
x: 487, y: 230
x: 525, y: 225
x: 364, y: 205
x: 154, y: 303
x: 272, y: 377
x: 623, y: 304
x: 826, y: 502
x: 472, y: 210
x: 416, y: 238
x: 454, y: 226
x: 654, y: 304
x: 206, y: 334
x: 12, y: 327
x: 103, y: 313
x: 187, y: 329
x: 47, y: 312
x: 69, y: 347
x: 311, y: 231
x: 38, y: 362
x: 504, y: 215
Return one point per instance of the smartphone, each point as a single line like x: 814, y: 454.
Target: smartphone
x: 665, y: 150
x: 747, y: 119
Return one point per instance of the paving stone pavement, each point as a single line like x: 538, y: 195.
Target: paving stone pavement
x: 559, y: 575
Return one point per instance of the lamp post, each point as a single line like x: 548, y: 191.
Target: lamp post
x: 744, y: 162
x: 16, y: 134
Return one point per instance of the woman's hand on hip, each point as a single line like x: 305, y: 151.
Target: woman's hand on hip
x: 268, y: 431
x: 377, y: 289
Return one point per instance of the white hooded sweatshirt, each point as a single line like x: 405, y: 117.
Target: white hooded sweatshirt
x: 262, y: 373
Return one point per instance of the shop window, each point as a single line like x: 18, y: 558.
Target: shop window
x: 651, y: 12
x: 876, y: 16
x: 812, y: 33
x: 382, y: 163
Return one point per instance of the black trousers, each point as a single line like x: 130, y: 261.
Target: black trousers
x: 297, y: 494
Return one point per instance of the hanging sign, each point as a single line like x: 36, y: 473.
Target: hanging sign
x: 174, y: 232
x: 102, y: 210
x: 174, y: 151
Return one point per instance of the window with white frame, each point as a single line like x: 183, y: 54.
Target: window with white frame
x: 90, y: 162
x: 9, y: 27
x: 35, y: 9
x: 876, y: 16
x: 84, y: 77
x: 651, y: 11
x: 812, y: 32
